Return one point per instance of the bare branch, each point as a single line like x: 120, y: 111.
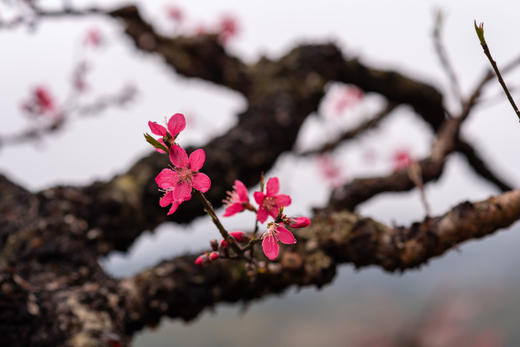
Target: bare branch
x: 361, y: 128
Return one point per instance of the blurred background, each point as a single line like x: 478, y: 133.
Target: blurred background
x: 466, y: 298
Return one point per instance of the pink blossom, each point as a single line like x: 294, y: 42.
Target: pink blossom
x: 44, y: 100
x: 41, y: 102
x: 275, y: 232
x: 175, y: 125
x: 349, y: 97
x: 178, y: 182
x: 237, y: 200
x: 270, y: 202
x: 93, y: 38
x: 228, y: 28
x: 330, y: 170
x: 175, y: 13
x: 401, y: 159
x: 213, y: 256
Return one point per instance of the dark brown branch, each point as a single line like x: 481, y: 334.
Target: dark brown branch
x: 360, y: 190
x: 480, y: 167
x: 179, y: 289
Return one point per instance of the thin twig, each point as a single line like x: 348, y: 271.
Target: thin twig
x: 443, y: 56
x: 223, y: 232
x: 350, y: 134
x: 480, y: 33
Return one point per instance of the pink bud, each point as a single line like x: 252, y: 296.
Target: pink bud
x: 300, y: 222
x: 223, y: 244
x: 213, y: 256
x: 237, y: 235
x: 200, y: 260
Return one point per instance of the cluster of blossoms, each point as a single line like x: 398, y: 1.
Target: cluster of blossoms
x: 227, y: 27
x: 183, y: 176
x: 270, y: 204
x: 178, y: 182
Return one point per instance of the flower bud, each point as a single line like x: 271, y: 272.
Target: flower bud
x: 201, y: 259
x: 214, y: 244
x: 238, y: 235
x: 213, y: 256
x: 300, y: 222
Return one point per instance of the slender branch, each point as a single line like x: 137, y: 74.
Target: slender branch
x: 225, y: 235
x: 480, y: 33
x: 443, y: 55
x: 361, y: 128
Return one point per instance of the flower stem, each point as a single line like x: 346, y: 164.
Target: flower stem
x: 480, y: 33
x: 211, y: 211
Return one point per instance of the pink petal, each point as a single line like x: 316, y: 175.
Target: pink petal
x: 174, y: 207
x: 166, y: 199
x: 167, y: 179
x: 273, y: 186
x: 182, y: 191
x: 262, y: 215
x: 178, y: 156
x: 285, y: 236
x: 259, y: 197
x: 301, y: 222
x: 201, y: 182
x: 176, y: 124
x: 157, y: 129
x: 283, y: 200
x: 233, y: 209
x: 274, y: 211
x: 270, y: 247
x: 197, y: 159
x: 241, y: 190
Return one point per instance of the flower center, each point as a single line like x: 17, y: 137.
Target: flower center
x: 231, y: 198
x: 185, y: 174
x: 269, y: 203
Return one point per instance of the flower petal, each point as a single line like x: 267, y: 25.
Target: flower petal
x: 262, y: 215
x: 272, y: 187
x: 241, y: 190
x: 197, y: 159
x: 182, y: 192
x: 283, y: 200
x: 259, y: 197
x: 233, y: 209
x: 176, y: 124
x: 167, y: 179
x: 178, y: 156
x: 270, y: 246
x: 201, y: 182
x: 157, y: 129
x: 166, y: 199
x: 175, y: 205
x: 285, y: 236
